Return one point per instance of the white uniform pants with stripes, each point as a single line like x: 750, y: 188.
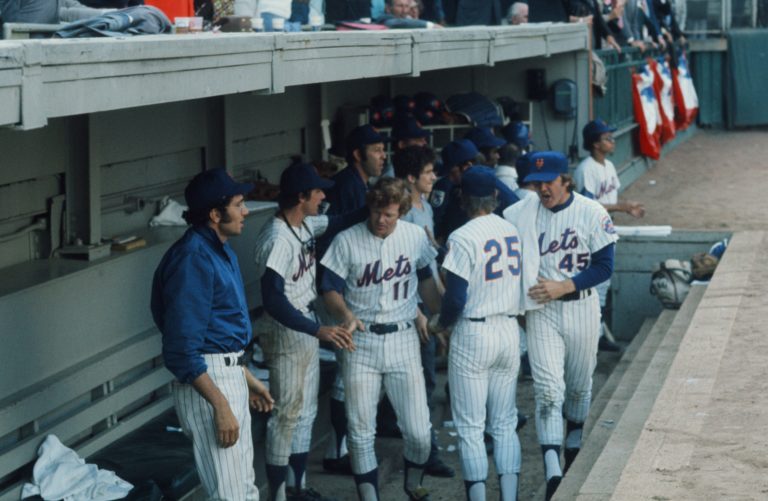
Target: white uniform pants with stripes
x: 294, y: 376
x: 482, y: 373
x: 562, y: 350
x: 394, y: 361
x: 226, y: 473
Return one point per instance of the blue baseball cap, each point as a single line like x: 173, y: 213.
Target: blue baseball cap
x: 483, y: 137
x: 301, y: 177
x: 523, y: 166
x: 362, y: 136
x: 407, y: 127
x: 457, y: 153
x: 478, y: 181
x: 212, y: 187
x: 546, y: 166
x: 593, y: 130
x: 517, y: 133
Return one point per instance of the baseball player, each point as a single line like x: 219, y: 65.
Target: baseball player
x: 575, y: 238
x: 289, y: 330
x: 596, y: 178
x: 198, y: 303
x: 374, y: 274
x: 488, y: 144
x: 366, y: 154
x: 415, y: 165
x: 481, y: 302
x: 457, y: 157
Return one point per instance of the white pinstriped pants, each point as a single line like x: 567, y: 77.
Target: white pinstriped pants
x: 293, y: 361
x: 482, y: 372
x: 226, y: 473
x: 562, y: 350
x: 394, y: 361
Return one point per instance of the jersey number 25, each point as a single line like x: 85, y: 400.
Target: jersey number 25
x: 494, y: 248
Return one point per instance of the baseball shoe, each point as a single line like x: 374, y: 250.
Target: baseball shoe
x: 339, y: 466
x: 606, y: 344
x: 522, y: 420
x: 552, y: 485
x: 418, y: 494
x: 293, y: 494
x: 438, y: 468
x: 570, y: 457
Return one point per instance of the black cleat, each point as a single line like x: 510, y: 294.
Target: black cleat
x: 438, y: 468
x: 552, y: 485
x: 340, y: 466
x: 570, y: 457
x: 305, y: 495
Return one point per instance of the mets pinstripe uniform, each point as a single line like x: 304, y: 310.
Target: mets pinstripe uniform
x: 292, y: 357
x: 563, y: 334
x: 380, y: 288
x: 599, y: 182
x: 484, y: 357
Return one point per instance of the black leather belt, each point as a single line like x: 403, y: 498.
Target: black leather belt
x: 388, y: 328
x: 482, y: 319
x: 576, y: 295
x: 231, y: 361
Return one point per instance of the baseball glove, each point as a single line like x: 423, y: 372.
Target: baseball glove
x: 671, y: 281
x: 703, y: 265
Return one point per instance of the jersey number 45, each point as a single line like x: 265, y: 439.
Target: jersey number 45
x: 496, y: 250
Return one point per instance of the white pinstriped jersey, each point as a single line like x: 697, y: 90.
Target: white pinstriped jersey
x: 279, y: 250
x: 600, y: 180
x: 569, y: 237
x: 486, y: 253
x: 380, y: 273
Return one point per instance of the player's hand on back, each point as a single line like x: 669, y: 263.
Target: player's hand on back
x: 549, y: 290
x: 339, y: 335
x: 227, y: 426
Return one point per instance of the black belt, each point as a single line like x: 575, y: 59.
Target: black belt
x: 482, y: 319
x: 576, y: 295
x: 387, y: 328
x: 230, y: 361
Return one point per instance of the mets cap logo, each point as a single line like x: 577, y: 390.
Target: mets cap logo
x: 539, y: 163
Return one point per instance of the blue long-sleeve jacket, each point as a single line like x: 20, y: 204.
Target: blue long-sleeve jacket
x: 198, y: 303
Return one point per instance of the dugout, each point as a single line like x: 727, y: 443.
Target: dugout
x: 94, y: 133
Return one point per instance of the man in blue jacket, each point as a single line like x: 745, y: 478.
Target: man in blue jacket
x: 198, y: 303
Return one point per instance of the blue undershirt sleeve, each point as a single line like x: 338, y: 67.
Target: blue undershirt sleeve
x: 331, y: 282
x: 278, y: 306
x: 424, y: 273
x: 599, y: 270
x: 454, y: 299
x: 588, y: 194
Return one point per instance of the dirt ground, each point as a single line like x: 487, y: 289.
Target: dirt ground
x: 716, y: 180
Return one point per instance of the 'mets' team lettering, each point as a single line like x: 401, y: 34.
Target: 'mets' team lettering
x: 305, y: 265
x: 372, y: 271
x: 568, y: 240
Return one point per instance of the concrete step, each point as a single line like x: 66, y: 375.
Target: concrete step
x: 604, y: 412
x: 609, y: 405
x: 631, y: 406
